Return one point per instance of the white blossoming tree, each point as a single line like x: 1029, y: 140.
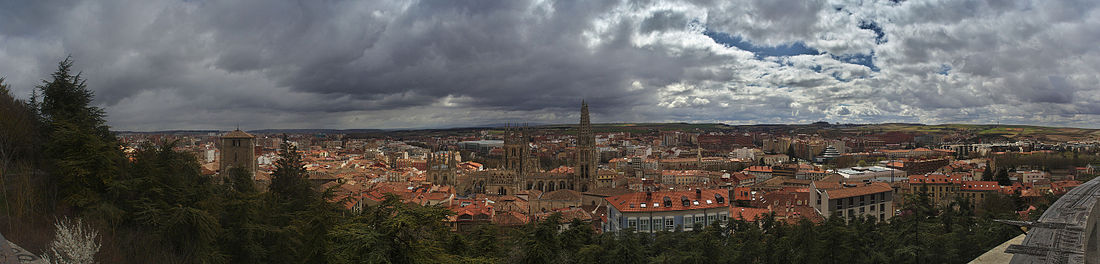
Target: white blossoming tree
x: 73, y: 243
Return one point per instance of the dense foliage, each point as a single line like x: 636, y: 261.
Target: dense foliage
x: 154, y: 206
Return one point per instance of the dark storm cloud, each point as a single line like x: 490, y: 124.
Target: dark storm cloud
x: 167, y: 64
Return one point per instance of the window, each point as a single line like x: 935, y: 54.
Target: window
x: 851, y: 212
x: 632, y: 223
x: 723, y: 217
x: 645, y: 224
x: 670, y: 224
x: 688, y: 223
x: 861, y: 210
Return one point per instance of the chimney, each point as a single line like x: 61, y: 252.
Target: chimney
x: 648, y: 195
x: 698, y: 194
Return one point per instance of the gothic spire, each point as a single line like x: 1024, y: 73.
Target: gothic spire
x: 584, y: 113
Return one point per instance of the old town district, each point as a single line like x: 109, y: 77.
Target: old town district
x: 647, y: 181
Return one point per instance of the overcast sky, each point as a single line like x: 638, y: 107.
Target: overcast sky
x: 170, y: 64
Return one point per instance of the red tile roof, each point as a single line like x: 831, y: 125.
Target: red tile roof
x: 748, y: 213
x: 935, y: 178
x: 759, y: 169
x: 861, y: 189
x: 980, y: 186
x: 509, y: 218
x: 633, y: 202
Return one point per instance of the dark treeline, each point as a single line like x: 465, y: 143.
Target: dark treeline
x: 154, y: 206
x: 1047, y: 161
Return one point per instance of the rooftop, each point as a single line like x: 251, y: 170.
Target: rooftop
x: 859, y: 189
x: 656, y: 202
x: 237, y: 134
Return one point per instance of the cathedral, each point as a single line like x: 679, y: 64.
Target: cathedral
x: 521, y: 170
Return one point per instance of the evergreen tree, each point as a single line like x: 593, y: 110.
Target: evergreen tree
x: 289, y: 182
x: 392, y: 232
x: 84, y: 154
x: 1002, y: 178
x: 987, y: 174
x: 166, y: 194
x: 19, y: 145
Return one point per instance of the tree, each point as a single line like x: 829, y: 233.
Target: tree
x: 790, y: 152
x: 392, y: 232
x: 987, y: 174
x: 1002, y: 178
x: 288, y: 181
x: 19, y: 144
x: 84, y: 154
x: 166, y: 194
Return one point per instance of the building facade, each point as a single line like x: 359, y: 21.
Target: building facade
x: 651, y: 212
x: 874, y: 199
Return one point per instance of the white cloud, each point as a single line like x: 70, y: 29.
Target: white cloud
x: 377, y: 64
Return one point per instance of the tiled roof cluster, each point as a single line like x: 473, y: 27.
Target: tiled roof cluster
x: 670, y: 200
x: 846, y: 191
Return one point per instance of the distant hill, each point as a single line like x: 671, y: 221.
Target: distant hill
x: 1007, y: 131
x: 1013, y: 132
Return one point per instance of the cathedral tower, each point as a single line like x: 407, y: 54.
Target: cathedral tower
x: 514, y: 147
x: 587, y: 157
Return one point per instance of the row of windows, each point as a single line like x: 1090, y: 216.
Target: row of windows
x: 861, y: 200
x: 668, y: 223
x: 881, y: 206
x: 862, y: 210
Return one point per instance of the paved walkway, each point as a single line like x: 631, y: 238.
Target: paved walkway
x: 12, y: 253
x: 997, y: 254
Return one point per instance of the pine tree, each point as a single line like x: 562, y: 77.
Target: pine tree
x: 288, y: 181
x: 1002, y: 178
x: 84, y: 154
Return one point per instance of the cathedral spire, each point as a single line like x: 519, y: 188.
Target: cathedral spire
x: 585, y: 167
x: 584, y: 113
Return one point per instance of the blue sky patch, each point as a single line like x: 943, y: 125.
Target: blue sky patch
x: 791, y: 49
x: 880, y: 35
x: 860, y: 59
x: 944, y: 69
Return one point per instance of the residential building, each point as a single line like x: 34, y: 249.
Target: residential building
x: 669, y: 210
x: 941, y: 188
x: 874, y: 199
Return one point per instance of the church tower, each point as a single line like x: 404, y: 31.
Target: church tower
x: 517, y: 150
x: 441, y: 168
x: 513, y: 152
x: 237, y: 150
x: 587, y: 157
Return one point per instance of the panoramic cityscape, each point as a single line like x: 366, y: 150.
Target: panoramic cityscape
x: 195, y: 131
